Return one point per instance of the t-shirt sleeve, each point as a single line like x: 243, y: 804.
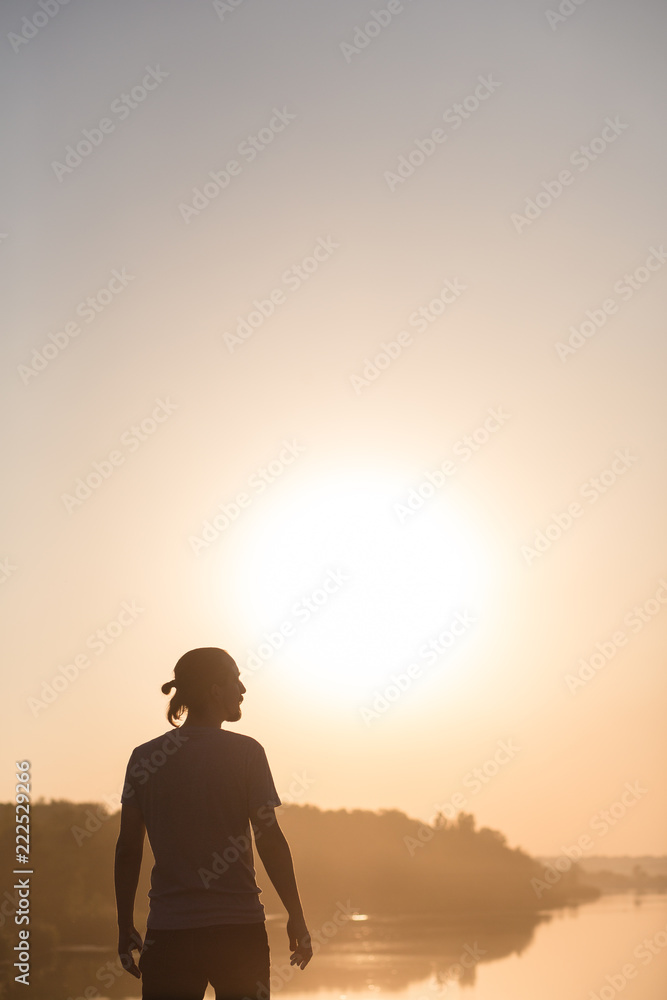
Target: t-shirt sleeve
x: 129, y: 792
x: 261, y: 788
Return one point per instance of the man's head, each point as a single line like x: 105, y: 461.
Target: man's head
x: 205, y: 679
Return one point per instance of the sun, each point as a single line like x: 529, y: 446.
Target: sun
x: 338, y: 589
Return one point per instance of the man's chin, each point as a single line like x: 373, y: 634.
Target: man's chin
x: 233, y: 713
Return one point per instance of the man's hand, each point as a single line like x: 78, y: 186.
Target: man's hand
x: 299, y: 942
x: 129, y: 940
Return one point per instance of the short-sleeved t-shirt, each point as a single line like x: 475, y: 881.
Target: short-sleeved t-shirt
x: 197, y: 788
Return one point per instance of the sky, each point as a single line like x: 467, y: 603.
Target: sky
x: 335, y: 338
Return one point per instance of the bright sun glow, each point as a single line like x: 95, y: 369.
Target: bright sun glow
x: 341, y: 593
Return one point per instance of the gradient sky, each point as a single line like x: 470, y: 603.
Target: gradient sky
x: 335, y: 508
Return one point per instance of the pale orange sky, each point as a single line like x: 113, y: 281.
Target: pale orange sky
x: 470, y: 297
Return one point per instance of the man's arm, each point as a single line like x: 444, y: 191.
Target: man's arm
x: 276, y: 857
x: 129, y: 851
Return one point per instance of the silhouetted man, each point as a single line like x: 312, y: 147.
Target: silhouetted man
x: 196, y: 790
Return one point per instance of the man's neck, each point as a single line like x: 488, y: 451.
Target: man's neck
x: 202, y: 722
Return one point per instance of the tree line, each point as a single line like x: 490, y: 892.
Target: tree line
x: 383, y: 863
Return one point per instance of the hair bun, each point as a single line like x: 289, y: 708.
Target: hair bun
x: 166, y: 688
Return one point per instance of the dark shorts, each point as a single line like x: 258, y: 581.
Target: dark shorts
x: 178, y: 964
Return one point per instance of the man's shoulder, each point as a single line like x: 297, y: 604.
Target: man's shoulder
x: 170, y: 741
x: 166, y: 743
x: 243, y: 742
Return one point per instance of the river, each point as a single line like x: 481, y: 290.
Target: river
x: 615, y: 946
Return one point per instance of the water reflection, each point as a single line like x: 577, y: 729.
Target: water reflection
x: 383, y: 954
x: 393, y: 954
x: 567, y: 953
